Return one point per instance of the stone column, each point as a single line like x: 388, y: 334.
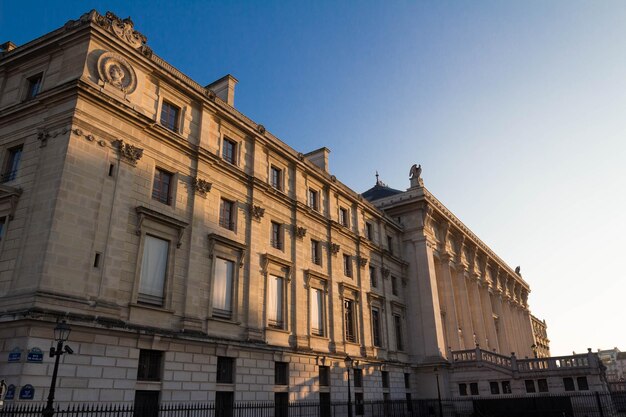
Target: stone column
x: 463, y: 305
x: 446, y: 297
x: 490, y: 328
x: 477, y: 309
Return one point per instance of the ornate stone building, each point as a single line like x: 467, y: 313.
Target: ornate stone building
x: 197, y: 257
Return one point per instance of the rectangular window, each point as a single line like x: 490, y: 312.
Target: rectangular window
x: 343, y: 217
x: 276, y: 177
x: 149, y: 367
x: 153, y: 271
x: 227, y: 214
x: 316, y: 252
x: 359, y: 406
x: 229, y: 151
x: 169, y: 116
x: 583, y: 385
x: 313, y: 199
x: 368, y: 231
x: 349, y: 320
x: 146, y: 403
x: 275, y: 302
x: 281, y: 373
x: 385, y: 378
x: 376, y: 327
x: 224, y: 403
x: 474, y: 388
x: 390, y: 244
x: 394, y: 285
x: 506, y: 387
x: 317, y: 312
x: 407, y: 380
x: 223, y: 288
x: 542, y: 384
x: 325, y: 407
x: 462, y: 390
x: 324, y: 376
x: 373, y: 279
x: 225, y: 370
x: 568, y: 384
x: 33, y: 86
x: 347, y: 265
x: 397, y: 323
x: 162, y: 186
x: 277, y: 236
x: 14, y: 155
x: 358, y: 377
x: 494, y: 387
x: 530, y: 385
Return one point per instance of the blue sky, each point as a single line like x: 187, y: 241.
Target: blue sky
x: 515, y: 110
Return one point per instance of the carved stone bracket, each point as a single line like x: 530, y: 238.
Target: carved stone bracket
x: 261, y: 129
x: 257, y: 212
x: 362, y: 261
x: 334, y: 248
x: 44, y: 134
x: 300, y: 232
x: 200, y: 186
x: 385, y: 272
x: 129, y: 152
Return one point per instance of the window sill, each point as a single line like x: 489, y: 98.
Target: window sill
x: 277, y: 329
x: 224, y: 320
x: 152, y: 307
x: 316, y: 336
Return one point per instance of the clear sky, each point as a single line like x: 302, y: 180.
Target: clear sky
x: 515, y: 110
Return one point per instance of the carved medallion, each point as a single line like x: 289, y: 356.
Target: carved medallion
x: 113, y: 69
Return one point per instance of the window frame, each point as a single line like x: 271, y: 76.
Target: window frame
x: 277, y: 177
x: 221, y: 247
x: 150, y: 365
x: 323, y: 376
x: 12, y: 162
x: 348, y: 269
x: 169, y: 124
x: 377, y: 333
x: 394, y: 285
x: 313, y: 199
x: 281, y: 373
x: 230, y: 150
x: 350, y: 318
x: 384, y: 375
x: 398, y: 328
x: 373, y: 277
x: 357, y: 375
x: 317, y: 283
x: 280, y: 321
x: 225, y: 374
x: 344, y: 216
x: 277, y: 240
x: 369, y: 231
x: 316, y: 252
x: 231, y: 222
x: 157, y: 194
x: 142, y: 297
x: 28, y: 92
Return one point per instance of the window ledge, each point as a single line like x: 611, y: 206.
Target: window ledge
x: 223, y: 320
x: 151, y: 307
x: 277, y: 330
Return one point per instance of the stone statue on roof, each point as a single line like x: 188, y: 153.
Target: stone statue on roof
x: 415, y: 175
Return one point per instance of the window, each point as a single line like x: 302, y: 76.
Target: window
x: 162, y: 186
x: 530, y: 385
x: 407, y: 380
x: 394, y: 285
x: 169, y: 116
x: 358, y: 377
x: 153, y: 271
x: 368, y: 231
x: 223, y: 288
x: 347, y: 265
x: 385, y: 378
x: 324, y: 376
x: 316, y: 253
x: 583, y: 385
x: 373, y: 279
x: 568, y: 383
x: 397, y: 323
x: 343, y: 217
x: 275, y: 302
x: 506, y: 387
x: 494, y: 387
x: 474, y: 388
x: 149, y: 368
x: 281, y: 404
x: 224, y: 401
x: 376, y: 327
x: 317, y: 312
x: 409, y: 402
x: 390, y: 244
x: 359, y: 406
x: 12, y: 163
x: 313, y: 199
x: 276, y: 177
x: 462, y: 390
x: 276, y: 239
x: 229, y: 151
x: 225, y: 370
x: 33, y: 86
x: 325, y: 407
x: 281, y: 373
x: 542, y: 384
x: 146, y: 403
x: 227, y: 214
x: 349, y: 320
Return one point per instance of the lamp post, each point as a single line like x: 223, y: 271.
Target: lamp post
x: 438, y: 393
x: 348, y: 362
x: 61, y: 334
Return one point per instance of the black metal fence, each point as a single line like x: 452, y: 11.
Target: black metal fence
x: 575, y: 405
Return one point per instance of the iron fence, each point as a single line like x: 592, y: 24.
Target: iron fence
x: 575, y: 405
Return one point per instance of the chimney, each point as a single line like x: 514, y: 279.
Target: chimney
x: 319, y: 157
x: 224, y: 88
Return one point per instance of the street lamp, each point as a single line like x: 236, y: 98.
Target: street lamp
x: 348, y: 361
x: 61, y: 334
x: 438, y: 393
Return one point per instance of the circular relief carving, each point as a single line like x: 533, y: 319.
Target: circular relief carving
x: 115, y: 70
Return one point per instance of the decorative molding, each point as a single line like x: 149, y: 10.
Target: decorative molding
x: 268, y: 258
x: 129, y: 152
x: 9, y: 197
x: 115, y: 70
x: 214, y: 239
x: 334, y: 248
x: 145, y: 212
x: 200, y: 186
x: 260, y: 128
x: 124, y: 29
x: 362, y: 261
x: 385, y: 272
x: 257, y: 212
x: 44, y: 134
x: 300, y: 232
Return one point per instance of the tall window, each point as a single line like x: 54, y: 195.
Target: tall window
x: 394, y: 285
x: 390, y: 244
x: 33, y: 86
x: 324, y: 376
x: 161, y: 187
x: 316, y: 252
x: 376, y: 327
x: 397, y: 323
x: 153, y: 270
x: 276, y: 177
x: 223, y: 288
x: 169, y: 116
x: 225, y: 370
x: 313, y: 199
x: 227, y: 214
x: 369, y: 234
x: 12, y: 163
x: 373, y: 280
x: 407, y: 380
x: 229, y: 149
x: 358, y: 377
x: 149, y: 367
x: 275, y: 302
x: 317, y: 312
x: 349, y: 320
x: 344, y: 217
x: 277, y: 236
x: 347, y: 265
x: 281, y: 373
x: 568, y: 384
x: 385, y: 378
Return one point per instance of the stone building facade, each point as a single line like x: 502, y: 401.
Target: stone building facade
x: 197, y: 257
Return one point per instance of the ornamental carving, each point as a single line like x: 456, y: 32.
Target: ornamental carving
x: 202, y: 187
x: 334, y: 248
x: 113, y: 69
x: 123, y: 29
x: 385, y: 272
x: 260, y: 129
x: 257, y: 212
x: 129, y: 152
x: 362, y: 261
x: 300, y: 232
